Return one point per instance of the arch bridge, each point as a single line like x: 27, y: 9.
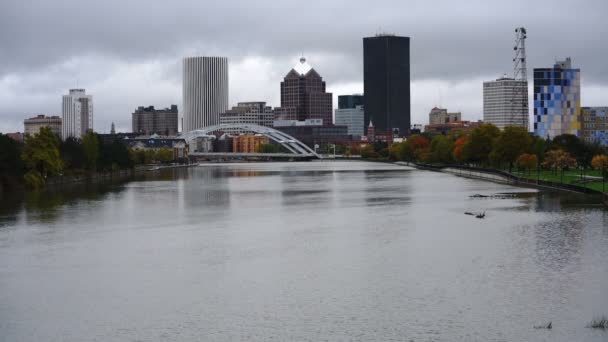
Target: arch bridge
x: 291, y: 144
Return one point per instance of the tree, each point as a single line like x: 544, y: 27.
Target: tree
x: 441, y: 149
x: 164, y: 155
x: 481, y: 142
x: 458, y: 151
x: 510, y: 144
x: 11, y: 166
x: 416, y: 146
x: 570, y: 143
x: 527, y: 162
x: 368, y: 152
x: 90, y: 143
x: 600, y: 162
x: 72, y: 153
x: 559, y: 160
x: 41, y: 153
x: 269, y: 148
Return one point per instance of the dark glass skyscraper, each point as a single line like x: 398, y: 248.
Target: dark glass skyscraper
x: 386, y: 83
x: 350, y: 101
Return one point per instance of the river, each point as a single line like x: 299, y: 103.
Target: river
x: 308, y: 251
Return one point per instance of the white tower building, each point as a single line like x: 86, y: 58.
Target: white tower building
x: 205, y: 91
x: 77, y: 114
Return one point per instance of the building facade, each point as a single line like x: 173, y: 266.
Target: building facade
x: 445, y: 128
x: 594, y: 125
x: 248, y: 143
x: 256, y: 113
x: 204, y: 91
x: 350, y: 101
x: 178, y: 146
x: 148, y: 121
x: 505, y: 102
x: 386, y: 83
x: 303, y: 96
x: 441, y: 116
x: 353, y: 119
x: 557, y: 100
x: 33, y: 125
x: 77, y: 114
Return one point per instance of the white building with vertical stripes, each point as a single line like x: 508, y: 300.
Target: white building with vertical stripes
x: 205, y: 91
x: 77, y: 114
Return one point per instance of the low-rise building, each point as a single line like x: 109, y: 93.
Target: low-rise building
x: 148, y: 121
x: 33, y: 125
x: 177, y: 145
x: 17, y: 136
x: 248, y: 143
x: 594, y: 125
x: 452, y: 126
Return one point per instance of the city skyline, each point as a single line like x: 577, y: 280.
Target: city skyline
x: 442, y: 74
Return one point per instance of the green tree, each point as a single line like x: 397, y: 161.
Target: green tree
x: 269, y: 148
x: 11, y: 166
x: 480, y: 143
x: 582, y: 151
x: 441, y: 149
x: 90, y: 143
x: 72, y: 153
x: 511, y: 143
x: 41, y: 155
x: 164, y: 155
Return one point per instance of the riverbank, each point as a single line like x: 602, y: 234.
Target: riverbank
x: 499, y: 176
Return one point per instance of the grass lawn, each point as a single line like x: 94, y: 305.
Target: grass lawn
x: 569, y: 177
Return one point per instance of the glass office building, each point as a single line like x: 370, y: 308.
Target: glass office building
x: 557, y: 100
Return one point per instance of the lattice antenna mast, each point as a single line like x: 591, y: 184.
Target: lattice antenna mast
x: 519, y: 62
x: 519, y: 107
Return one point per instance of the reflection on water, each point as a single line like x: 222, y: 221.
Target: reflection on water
x: 301, y: 251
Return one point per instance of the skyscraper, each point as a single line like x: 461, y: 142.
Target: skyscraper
x: 505, y: 102
x: 350, y: 101
x: 205, y: 91
x: 77, y: 114
x: 303, y: 96
x: 386, y: 83
x: 557, y: 100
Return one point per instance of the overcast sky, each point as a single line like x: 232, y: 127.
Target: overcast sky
x: 128, y: 53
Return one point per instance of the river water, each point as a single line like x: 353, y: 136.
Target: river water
x: 310, y: 251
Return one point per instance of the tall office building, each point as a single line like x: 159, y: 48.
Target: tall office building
x: 205, y: 91
x: 77, y: 114
x: 386, y: 83
x: 303, y: 96
x: 594, y: 125
x: 147, y: 120
x: 557, y: 100
x: 505, y: 102
x: 256, y: 113
x: 33, y: 125
x: 350, y: 101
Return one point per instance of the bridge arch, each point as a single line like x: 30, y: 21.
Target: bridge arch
x: 290, y: 143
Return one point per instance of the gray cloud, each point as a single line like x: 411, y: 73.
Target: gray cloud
x: 47, y: 45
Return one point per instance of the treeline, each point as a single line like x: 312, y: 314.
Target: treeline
x: 44, y: 155
x: 487, y: 146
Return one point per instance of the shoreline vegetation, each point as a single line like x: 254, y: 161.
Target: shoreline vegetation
x: 562, y: 163
x: 44, y: 160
